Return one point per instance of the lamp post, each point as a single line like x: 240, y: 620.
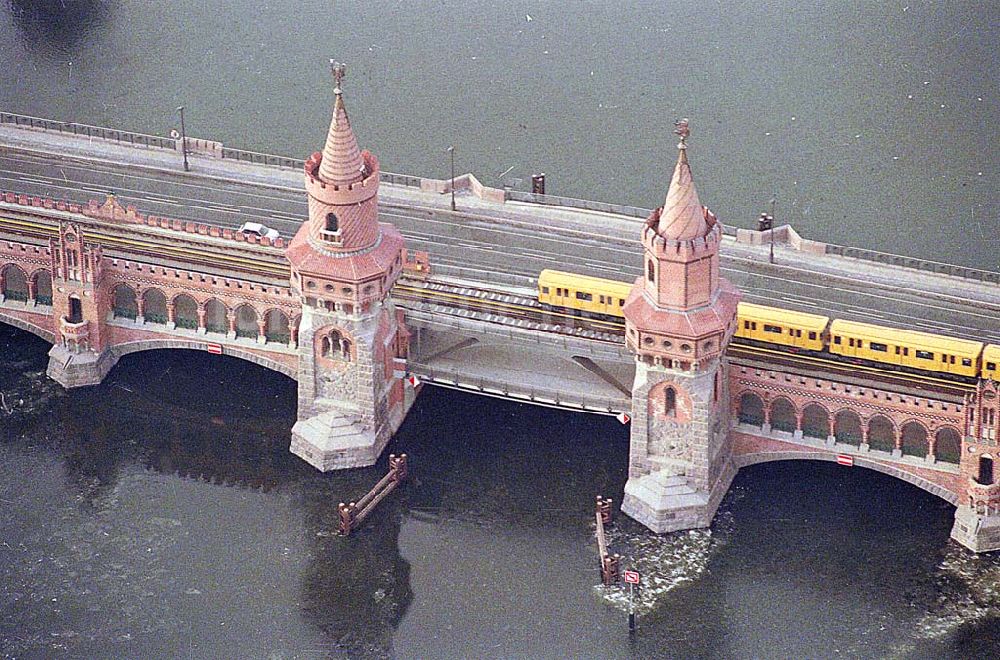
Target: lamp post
x: 770, y: 221
x: 451, y: 152
x: 184, y: 147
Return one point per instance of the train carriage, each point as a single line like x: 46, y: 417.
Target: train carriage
x: 917, y: 350
x: 592, y: 295
x: 991, y: 362
x: 781, y: 326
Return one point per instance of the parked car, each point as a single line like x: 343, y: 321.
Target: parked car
x: 260, y: 230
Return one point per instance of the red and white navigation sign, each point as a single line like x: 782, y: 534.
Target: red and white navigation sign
x: 631, y: 577
x: 214, y: 349
x: 414, y: 381
x: 845, y: 459
x: 623, y: 418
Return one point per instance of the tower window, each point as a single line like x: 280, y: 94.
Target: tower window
x: 649, y: 270
x: 670, y: 402
x: 332, y: 223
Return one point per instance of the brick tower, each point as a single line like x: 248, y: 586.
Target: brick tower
x: 352, y: 340
x: 679, y: 318
x: 977, y: 514
x: 77, y: 357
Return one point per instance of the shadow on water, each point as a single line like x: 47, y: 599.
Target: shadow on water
x: 58, y: 25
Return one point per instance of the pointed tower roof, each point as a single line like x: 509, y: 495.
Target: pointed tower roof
x: 683, y: 217
x: 342, y: 163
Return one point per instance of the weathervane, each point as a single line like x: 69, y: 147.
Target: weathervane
x: 681, y: 129
x: 339, y: 70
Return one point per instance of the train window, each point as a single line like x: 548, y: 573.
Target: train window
x: 850, y: 340
x: 925, y: 355
x: 753, y: 325
x: 966, y: 362
x: 812, y: 335
x: 798, y: 333
x: 836, y: 340
x: 772, y: 328
x: 875, y: 346
x: 951, y: 359
x: 906, y: 351
x: 992, y: 366
x: 746, y: 325
x: 621, y: 303
x: 897, y: 350
x: 545, y: 289
x: 602, y: 300
x: 580, y: 295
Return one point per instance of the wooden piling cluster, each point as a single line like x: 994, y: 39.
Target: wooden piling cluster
x: 609, y: 564
x: 354, y: 513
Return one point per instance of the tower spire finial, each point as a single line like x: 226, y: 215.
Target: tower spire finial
x: 339, y: 70
x: 681, y: 128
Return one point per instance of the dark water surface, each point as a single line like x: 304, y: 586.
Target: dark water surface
x: 160, y: 514
x: 872, y: 123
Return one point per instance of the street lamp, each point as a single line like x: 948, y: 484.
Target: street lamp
x: 770, y: 221
x: 451, y: 152
x: 184, y: 147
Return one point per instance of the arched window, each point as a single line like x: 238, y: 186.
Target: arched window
x: 985, y: 471
x: 75, y: 310
x: 670, y: 402
x: 332, y: 224
x: 649, y: 270
x: 325, y: 347
x: 345, y: 349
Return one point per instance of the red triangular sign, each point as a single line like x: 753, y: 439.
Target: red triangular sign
x: 623, y: 418
x: 414, y: 381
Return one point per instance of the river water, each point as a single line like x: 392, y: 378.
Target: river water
x: 160, y: 514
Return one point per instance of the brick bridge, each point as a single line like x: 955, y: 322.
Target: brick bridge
x: 101, y: 281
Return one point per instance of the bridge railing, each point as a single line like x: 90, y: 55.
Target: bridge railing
x: 549, y: 396
x: 914, y: 263
x: 270, y: 160
x: 98, y: 132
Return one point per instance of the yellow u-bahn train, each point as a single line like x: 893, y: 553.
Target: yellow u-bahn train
x: 797, y: 330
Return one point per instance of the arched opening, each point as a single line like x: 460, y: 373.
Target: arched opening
x: 847, y: 427
x: 985, y: 477
x: 185, y: 312
x: 345, y: 349
x: 332, y: 223
x: 649, y: 270
x: 246, y: 322
x: 914, y: 439
x: 154, y: 306
x: 15, y: 283
x: 670, y: 402
x: 325, y: 346
x: 948, y: 445
x: 815, y: 421
x: 43, y: 287
x: 751, y: 409
x: 276, y: 326
x: 75, y: 310
x: 123, y: 303
x: 215, y: 317
x: 783, y: 415
x: 881, y: 434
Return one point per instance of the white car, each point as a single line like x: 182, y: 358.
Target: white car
x: 258, y: 229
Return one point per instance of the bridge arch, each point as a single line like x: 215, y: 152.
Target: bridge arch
x: 216, y: 316
x: 13, y: 282
x: 751, y: 408
x: 948, y: 444
x: 847, y: 427
x: 122, y: 350
x: 815, y: 421
x: 154, y: 305
x: 124, y: 302
x: 783, y: 414
x: 914, y: 439
x: 747, y: 460
x: 185, y: 311
x: 246, y: 321
x: 27, y: 326
x: 881, y: 433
